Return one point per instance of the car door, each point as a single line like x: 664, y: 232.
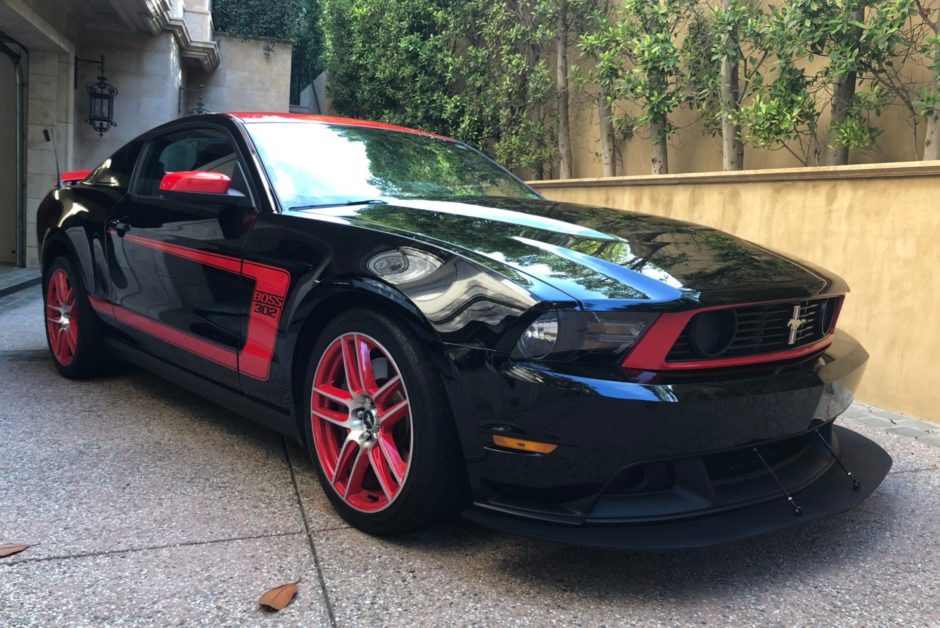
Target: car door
x: 178, y: 289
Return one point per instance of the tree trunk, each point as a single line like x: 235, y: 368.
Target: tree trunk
x: 844, y: 94
x: 608, y: 152
x: 932, y: 136
x: 842, y: 100
x: 732, y: 149
x: 659, y: 161
x: 561, y: 83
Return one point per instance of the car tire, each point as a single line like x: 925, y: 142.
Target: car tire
x: 383, y: 439
x: 73, y: 331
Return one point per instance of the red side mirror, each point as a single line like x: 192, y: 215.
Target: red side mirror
x: 196, y: 182
x: 74, y: 176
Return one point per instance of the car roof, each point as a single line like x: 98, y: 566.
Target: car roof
x: 271, y: 116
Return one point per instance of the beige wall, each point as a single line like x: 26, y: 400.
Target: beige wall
x: 878, y: 227
x: 253, y: 75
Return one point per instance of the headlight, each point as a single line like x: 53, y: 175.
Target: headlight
x: 563, y: 335
x: 539, y: 338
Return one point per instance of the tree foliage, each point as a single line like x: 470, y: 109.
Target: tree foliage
x: 259, y: 18
x: 796, y: 59
x: 810, y: 77
x: 638, y: 60
x: 307, y: 53
x: 474, y: 69
x: 508, y: 95
x: 392, y: 61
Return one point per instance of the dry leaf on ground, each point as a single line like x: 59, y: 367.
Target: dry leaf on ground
x: 279, y: 597
x: 11, y: 548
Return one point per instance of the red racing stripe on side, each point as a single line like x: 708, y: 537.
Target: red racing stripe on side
x: 187, y: 342
x: 101, y: 306
x: 267, y: 303
x: 223, y: 262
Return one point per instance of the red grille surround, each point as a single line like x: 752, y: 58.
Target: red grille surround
x: 655, y: 350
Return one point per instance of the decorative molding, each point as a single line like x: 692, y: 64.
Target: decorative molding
x: 157, y: 15
x: 206, y: 53
x: 859, y: 171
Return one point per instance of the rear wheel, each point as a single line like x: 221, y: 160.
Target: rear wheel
x: 72, y: 330
x: 380, y: 430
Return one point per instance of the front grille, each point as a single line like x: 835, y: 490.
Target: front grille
x: 752, y: 330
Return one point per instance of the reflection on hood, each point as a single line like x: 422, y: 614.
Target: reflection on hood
x: 596, y: 254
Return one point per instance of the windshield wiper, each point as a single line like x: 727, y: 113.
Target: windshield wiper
x: 367, y: 201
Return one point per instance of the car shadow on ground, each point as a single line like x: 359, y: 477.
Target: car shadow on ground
x: 840, y: 543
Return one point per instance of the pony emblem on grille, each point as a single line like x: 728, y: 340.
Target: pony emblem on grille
x: 794, y: 324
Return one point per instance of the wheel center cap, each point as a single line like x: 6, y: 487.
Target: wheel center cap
x: 369, y: 419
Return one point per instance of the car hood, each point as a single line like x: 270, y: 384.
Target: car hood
x: 602, y: 257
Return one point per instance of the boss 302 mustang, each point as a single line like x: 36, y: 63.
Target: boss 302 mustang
x: 445, y: 340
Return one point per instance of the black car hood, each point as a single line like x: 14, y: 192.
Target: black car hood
x: 602, y: 257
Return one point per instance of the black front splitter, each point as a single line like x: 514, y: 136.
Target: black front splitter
x: 831, y: 494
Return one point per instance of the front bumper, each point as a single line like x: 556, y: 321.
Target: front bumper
x: 830, y: 494
x: 669, y: 464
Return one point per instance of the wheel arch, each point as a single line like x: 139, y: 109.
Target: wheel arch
x: 57, y: 243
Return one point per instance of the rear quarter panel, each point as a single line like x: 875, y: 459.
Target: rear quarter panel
x: 72, y: 220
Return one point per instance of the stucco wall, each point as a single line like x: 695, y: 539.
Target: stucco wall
x: 253, y: 75
x: 875, y: 226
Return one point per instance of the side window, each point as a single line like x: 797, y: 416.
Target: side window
x: 116, y: 170
x: 208, y: 150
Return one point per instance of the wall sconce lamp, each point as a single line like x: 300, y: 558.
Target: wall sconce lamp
x: 100, y: 98
x: 200, y: 107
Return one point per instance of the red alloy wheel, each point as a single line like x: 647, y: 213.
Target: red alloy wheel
x: 361, y: 419
x: 61, y: 324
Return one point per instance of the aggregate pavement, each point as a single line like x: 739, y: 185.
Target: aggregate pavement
x: 146, y: 505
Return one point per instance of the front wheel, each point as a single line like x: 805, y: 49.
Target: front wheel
x: 380, y: 430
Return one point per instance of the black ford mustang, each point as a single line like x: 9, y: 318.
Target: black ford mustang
x: 445, y: 340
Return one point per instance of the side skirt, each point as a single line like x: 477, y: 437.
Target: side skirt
x: 269, y: 416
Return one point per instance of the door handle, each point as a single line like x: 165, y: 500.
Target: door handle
x: 119, y: 226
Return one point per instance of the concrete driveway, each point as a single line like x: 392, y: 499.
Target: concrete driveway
x: 146, y: 505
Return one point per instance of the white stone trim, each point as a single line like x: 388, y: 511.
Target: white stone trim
x: 205, y: 52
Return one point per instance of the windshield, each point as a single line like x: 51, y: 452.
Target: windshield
x: 313, y: 164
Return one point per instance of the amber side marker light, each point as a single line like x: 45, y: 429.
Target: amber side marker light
x: 520, y: 444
